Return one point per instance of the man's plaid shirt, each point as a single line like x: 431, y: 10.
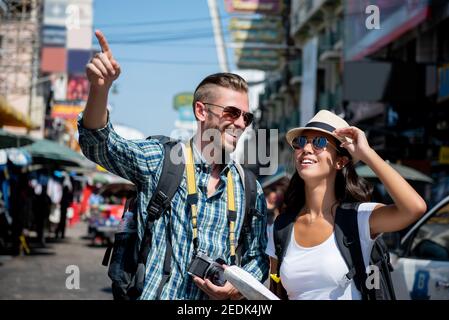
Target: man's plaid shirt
x: 140, y: 161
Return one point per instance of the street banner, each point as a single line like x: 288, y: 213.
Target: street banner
x: 55, y: 12
x: 66, y: 110
x: 68, y: 13
x: 309, y: 72
x: 77, y: 88
x: 77, y: 60
x: 53, y: 59
x: 54, y: 36
x: 80, y: 38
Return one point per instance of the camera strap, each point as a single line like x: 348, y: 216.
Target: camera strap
x: 192, y: 199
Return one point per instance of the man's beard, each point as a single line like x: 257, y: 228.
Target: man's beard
x: 221, y: 150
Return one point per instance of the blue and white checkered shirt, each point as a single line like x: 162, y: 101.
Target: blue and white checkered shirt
x: 140, y: 161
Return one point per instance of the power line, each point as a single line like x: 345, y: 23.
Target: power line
x: 160, y: 32
x: 148, y: 23
x: 161, y: 39
x: 177, y: 62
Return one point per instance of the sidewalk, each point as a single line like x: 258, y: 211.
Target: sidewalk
x: 42, y: 275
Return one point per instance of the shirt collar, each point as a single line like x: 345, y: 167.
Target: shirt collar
x: 200, y: 161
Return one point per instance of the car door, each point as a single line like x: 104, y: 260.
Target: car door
x: 422, y: 270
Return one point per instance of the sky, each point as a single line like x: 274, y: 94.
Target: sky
x: 154, y: 70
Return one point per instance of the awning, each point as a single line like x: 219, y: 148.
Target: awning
x: 11, y: 140
x: 9, y: 116
x: 48, y: 152
x: 406, y: 172
x: 280, y: 174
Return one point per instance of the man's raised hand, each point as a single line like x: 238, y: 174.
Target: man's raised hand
x: 102, y: 69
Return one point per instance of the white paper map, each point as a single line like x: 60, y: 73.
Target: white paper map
x: 247, y: 285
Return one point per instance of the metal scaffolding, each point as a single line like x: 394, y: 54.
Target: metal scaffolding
x: 20, y: 22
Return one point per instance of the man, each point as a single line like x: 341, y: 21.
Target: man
x: 140, y: 161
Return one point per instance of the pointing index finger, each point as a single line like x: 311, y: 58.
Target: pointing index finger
x: 103, y: 43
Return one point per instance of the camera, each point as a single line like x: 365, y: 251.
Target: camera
x: 206, y: 268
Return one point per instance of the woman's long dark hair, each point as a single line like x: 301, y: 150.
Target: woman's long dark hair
x: 349, y: 187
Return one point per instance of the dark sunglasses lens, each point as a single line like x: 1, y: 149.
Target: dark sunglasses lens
x: 248, y: 117
x: 299, y: 142
x: 232, y: 112
x: 319, y: 142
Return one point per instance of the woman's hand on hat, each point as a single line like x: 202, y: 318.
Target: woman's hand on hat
x: 357, y: 144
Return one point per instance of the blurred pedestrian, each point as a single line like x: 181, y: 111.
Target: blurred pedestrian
x: 42, y: 208
x: 272, y: 206
x: 66, y: 201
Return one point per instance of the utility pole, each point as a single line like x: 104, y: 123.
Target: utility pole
x: 218, y: 35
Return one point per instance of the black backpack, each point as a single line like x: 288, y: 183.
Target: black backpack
x: 348, y: 242
x: 128, y: 261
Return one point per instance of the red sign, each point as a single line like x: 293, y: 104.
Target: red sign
x: 77, y: 88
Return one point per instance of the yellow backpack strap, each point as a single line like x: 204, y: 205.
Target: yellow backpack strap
x: 232, y: 214
x: 192, y: 197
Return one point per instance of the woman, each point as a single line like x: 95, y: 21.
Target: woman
x: 325, y: 151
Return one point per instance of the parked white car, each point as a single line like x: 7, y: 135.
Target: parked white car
x: 421, y: 259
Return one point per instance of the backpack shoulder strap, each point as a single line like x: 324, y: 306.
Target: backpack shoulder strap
x: 169, y: 181
x: 380, y: 256
x: 348, y: 242
x: 250, y: 185
x: 282, y: 232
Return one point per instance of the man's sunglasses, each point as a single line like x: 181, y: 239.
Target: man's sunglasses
x: 318, y: 143
x: 234, y: 113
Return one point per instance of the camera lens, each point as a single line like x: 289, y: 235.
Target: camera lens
x: 216, y: 275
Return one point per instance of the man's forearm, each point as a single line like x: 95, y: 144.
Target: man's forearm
x: 95, y: 115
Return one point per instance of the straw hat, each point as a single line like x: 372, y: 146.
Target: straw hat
x: 324, y: 121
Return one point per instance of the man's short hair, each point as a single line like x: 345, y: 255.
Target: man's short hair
x: 205, y: 90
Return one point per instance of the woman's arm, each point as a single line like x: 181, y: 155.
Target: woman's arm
x: 408, y: 205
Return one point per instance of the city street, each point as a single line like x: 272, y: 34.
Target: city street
x: 42, y: 275
x: 309, y: 122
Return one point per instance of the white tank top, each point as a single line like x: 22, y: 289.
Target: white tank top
x: 316, y: 273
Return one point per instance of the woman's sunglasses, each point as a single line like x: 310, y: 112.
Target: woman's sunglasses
x: 234, y: 113
x: 318, y: 143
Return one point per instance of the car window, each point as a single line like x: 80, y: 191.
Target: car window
x: 432, y: 238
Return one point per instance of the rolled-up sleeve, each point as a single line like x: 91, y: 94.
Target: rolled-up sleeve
x: 255, y: 260
x: 134, y: 160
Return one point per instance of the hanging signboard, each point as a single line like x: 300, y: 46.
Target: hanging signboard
x: 255, y: 24
x: 267, y: 36
x: 256, y: 53
x: 254, y: 6
x: 265, y: 64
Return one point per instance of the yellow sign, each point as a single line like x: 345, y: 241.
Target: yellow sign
x: 444, y: 155
x: 183, y: 99
x: 66, y: 111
